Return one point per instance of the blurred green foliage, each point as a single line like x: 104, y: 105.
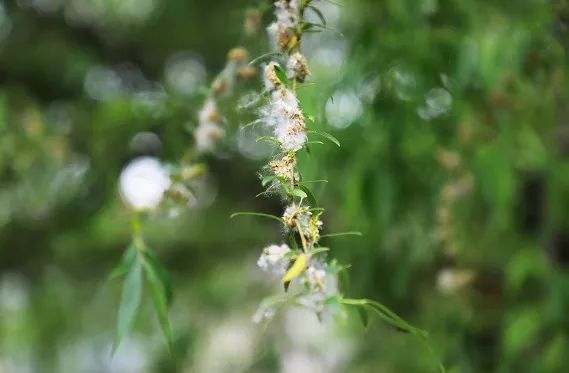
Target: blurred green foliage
x: 454, y: 162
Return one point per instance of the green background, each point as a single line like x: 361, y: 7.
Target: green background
x: 476, y: 251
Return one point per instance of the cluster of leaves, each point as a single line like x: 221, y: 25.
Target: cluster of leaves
x: 138, y: 264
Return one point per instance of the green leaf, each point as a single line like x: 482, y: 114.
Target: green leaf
x: 343, y: 278
x: 317, y: 209
x: 386, y: 315
x: 298, y: 193
x: 354, y: 233
x: 125, y: 263
x: 264, y: 56
x: 268, y: 139
x: 247, y: 213
x: 130, y: 300
x: 364, y: 316
x: 312, y: 31
x: 267, y: 179
x: 334, y: 3
x: 334, y: 304
x: 318, y: 12
x: 394, y: 319
x: 318, y: 250
x: 281, y: 74
x: 159, y: 292
x: 327, y: 136
x: 316, y: 27
x: 311, y: 26
x: 310, y: 196
x: 247, y: 125
x: 162, y: 272
x: 292, y: 240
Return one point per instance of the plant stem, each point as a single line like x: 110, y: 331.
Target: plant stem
x: 136, y: 230
x: 302, y: 238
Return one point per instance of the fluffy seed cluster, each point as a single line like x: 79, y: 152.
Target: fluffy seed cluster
x: 282, y: 30
x: 296, y: 215
x: 253, y: 20
x: 273, y: 260
x: 300, y: 217
x: 236, y: 67
x: 297, y: 67
x: 282, y: 113
x: 321, y: 283
x: 270, y: 78
x: 209, y: 129
x: 285, y: 167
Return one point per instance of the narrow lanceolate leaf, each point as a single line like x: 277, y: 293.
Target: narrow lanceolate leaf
x: 354, y: 233
x: 334, y: 2
x: 309, y: 196
x: 130, y: 300
x: 318, y: 250
x: 292, y: 240
x: 327, y: 136
x: 270, y: 139
x: 162, y: 273
x: 124, y: 264
x: 364, y: 317
x: 159, y: 293
x: 264, y: 56
x: 296, y: 269
x: 311, y: 26
x: 281, y: 74
x: 387, y: 315
x: 394, y: 320
x: 318, y: 13
x: 316, y: 27
x: 247, y: 213
x: 268, y: 179
x: 343, y: 279
x: 298, y: 193
x: 401, y: 324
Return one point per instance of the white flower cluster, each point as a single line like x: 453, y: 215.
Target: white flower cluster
x: 297, y: 216
x: 285, y: 168
x: 314, y: 286
x: 273, y: 260
x: 297, y: 67
x: 281, y: 30
x: 270, y: 78
x: 283, y: 115
x: 143, y: 183
x: 322, y: 284
x: 209, y: 128
x: 235, y: 68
